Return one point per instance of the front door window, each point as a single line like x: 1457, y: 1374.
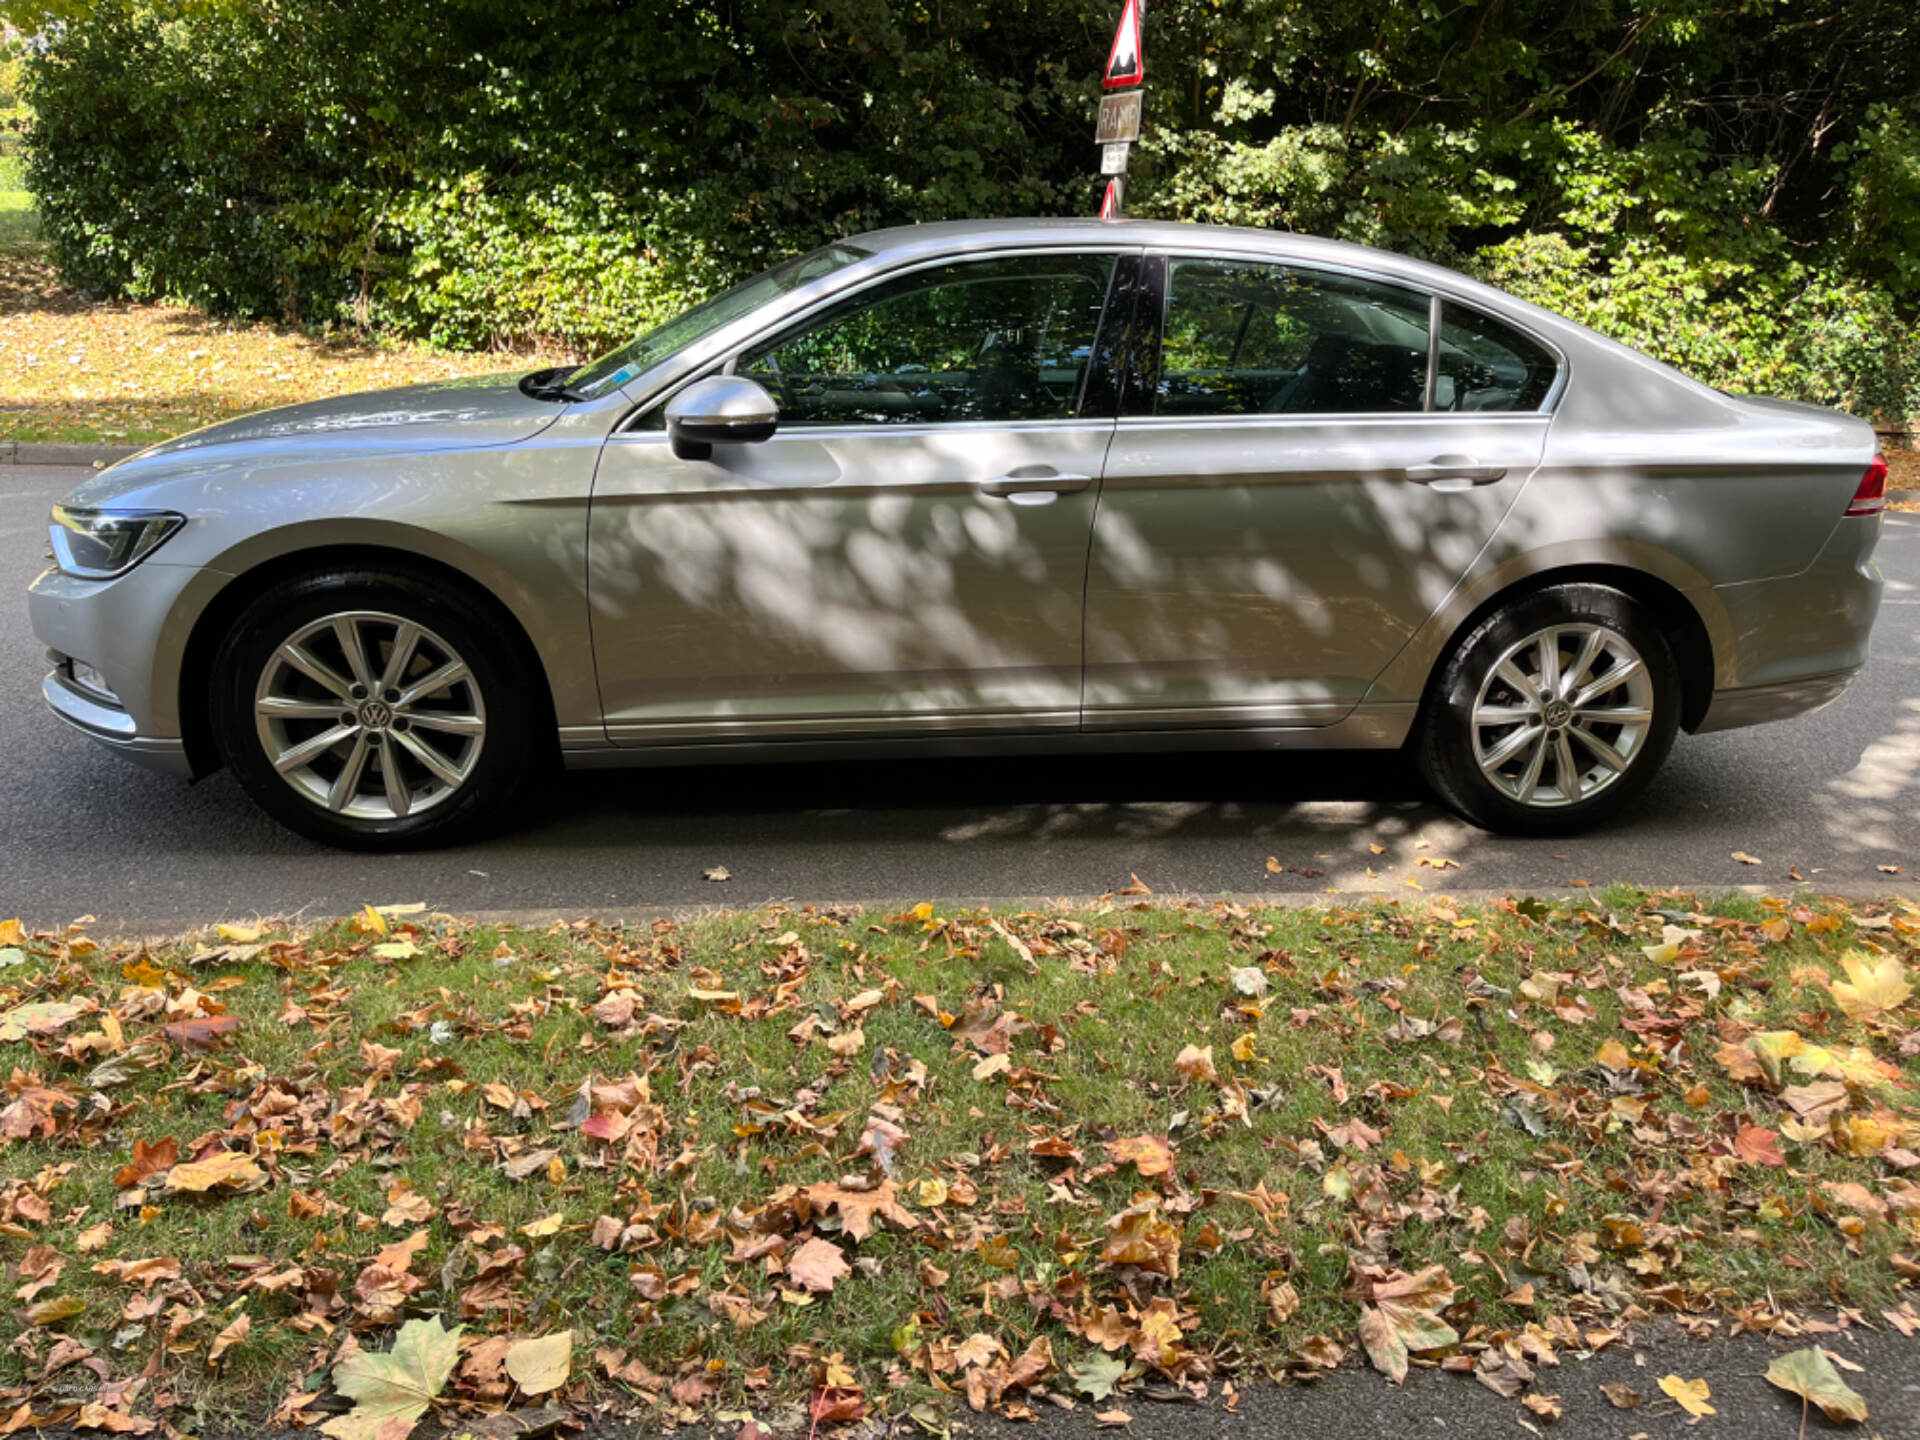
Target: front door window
x: 980, y: 340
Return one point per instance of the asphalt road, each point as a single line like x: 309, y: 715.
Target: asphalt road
x: 1834, y: 795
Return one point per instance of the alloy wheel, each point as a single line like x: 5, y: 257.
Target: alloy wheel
x: 370, y: 715
x: 1562, y: 715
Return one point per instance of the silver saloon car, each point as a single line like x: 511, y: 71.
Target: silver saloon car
x: 981, y: 487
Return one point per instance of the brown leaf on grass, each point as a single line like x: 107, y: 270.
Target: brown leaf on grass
x: 233, y: 1335
x: 1195, y: 1063
x: 140, y: 1272
x: 406, y: 1206
x: 837, y: 1404
x: 1135, y: 886
x: 1758, y: 1147
x: 153, y: 1159
x: 1138, y: 1236
x: 817, y: 1265
x: 1150, y: 1154
x: 858, y: 1208
x: 522, y: 1167
x: 225, y: 1170
x: 1819, y: 1101
x: 202, y: 1032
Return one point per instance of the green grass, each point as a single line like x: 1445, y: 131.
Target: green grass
x: 1503, y: 1152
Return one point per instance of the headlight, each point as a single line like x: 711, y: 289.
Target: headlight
x: 99, y: 544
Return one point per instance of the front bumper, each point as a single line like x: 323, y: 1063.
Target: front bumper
x: 113, y: 727
x: 131, y: 630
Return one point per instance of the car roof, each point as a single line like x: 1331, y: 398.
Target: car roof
x: 959, y: 236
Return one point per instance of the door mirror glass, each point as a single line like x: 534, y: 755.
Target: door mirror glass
x: 719, y: 410
x: 1246, y: 338
x: 992, y: 339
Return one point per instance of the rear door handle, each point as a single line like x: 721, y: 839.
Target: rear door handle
x: 1451, y: 474
x: 1033, y: 480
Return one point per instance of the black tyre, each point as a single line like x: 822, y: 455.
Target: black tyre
x: 1552, y: 713
x: 374, y: 708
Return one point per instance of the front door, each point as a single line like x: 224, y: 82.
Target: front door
x: 906, y: 555
x: 1289, y: 496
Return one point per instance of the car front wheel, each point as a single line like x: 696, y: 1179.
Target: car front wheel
x: 1552, y: 713
x: 372, y: 709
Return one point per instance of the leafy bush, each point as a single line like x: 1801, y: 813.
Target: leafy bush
x: 1736, y: 190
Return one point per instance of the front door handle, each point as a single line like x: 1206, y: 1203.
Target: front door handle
x: 1033, y: 480
x: 1451, y: 474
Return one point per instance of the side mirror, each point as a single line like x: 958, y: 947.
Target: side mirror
x: 719, y: 410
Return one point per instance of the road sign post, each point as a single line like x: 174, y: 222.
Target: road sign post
x: 1119, y: 123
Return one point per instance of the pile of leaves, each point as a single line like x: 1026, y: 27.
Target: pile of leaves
x: 817, y: 1165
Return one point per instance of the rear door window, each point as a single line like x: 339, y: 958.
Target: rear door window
x: 1486, y: 364
x: 1250, y: 338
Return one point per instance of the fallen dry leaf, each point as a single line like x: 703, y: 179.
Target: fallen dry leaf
x: 1810, y: 1374
x: 539, y: 1366
x: 1691, y: 1395
x: 394, y: 1389
x: 817, y: 1265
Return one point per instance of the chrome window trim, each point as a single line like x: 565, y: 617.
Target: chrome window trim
x: 1327, y: 417
x: 854, y: 432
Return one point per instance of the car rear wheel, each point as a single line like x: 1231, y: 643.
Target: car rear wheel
x: 373, y: 709
x: 1553, y: 713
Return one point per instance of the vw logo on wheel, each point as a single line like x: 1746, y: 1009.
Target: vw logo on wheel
x: 376, y: 714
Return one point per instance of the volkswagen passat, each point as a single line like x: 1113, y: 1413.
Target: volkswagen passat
x: 993, y: 486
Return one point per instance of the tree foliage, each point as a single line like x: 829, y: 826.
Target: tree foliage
x: 1734, y: 187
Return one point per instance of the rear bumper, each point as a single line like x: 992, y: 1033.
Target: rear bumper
x: 1759, y: 704
x: 114, y: 728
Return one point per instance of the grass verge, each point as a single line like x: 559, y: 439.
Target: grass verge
x: 118, y: 373
x: 901, y: 1162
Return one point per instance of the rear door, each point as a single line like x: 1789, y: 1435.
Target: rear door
x: 906, y: 555
x: 1306, y: 462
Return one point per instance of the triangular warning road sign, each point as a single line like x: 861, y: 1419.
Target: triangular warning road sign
x: 1110, y: 202
x: 1124, y: 63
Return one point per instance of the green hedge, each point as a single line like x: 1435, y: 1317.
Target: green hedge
x: 1734, y: 189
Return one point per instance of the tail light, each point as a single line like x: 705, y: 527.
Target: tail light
x: 1871, y: 497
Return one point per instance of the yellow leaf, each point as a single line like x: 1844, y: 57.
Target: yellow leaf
x: 1613, y: 1055
x: 1691, y: 1395
x: 546, y: 1225
x: 225, y: 1170
x: 239, y: 934
x: 1243, y: 1048
x: 370, y: 922
x: 1872, y: 986
x: 538, y: 1366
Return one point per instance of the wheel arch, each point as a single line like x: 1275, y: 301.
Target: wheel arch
x: 1679, y: 619
x: 226, y: 606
